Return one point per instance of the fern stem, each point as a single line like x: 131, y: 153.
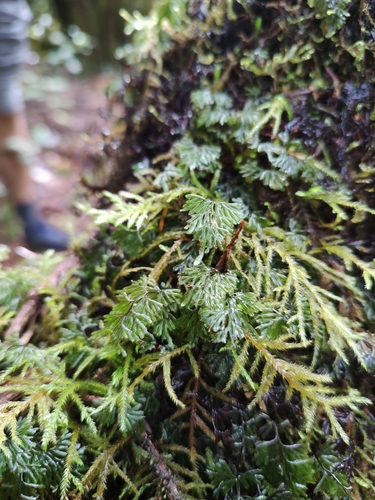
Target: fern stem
x: 126, y: 479
x: 163, y: 262
x: 70, y: 459
x: 162, y: 471
x: 215, y: 180
x: 192, y: 423
x: 196, y: 182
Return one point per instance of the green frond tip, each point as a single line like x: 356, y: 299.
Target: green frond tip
x: 338, y: 201
x: 336, y: 247
x: 275, y: 109
x: 196, y: 157
x: 211, y: 221
x: 212, y: 109
x: 140, y: 305
x: 206, y: 287
x: 168, y: 383
x: 333, y: 14
x: 133, y: 209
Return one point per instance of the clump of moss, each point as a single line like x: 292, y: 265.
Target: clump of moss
x: 215, y: 340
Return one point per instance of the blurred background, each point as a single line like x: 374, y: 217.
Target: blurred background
x: 74, y: 68
x: 63, y: 31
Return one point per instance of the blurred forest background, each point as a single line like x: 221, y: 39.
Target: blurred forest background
x: 65, y: 30
x: 74, y: 66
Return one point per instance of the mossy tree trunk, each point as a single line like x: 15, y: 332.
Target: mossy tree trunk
x: 216, y: 340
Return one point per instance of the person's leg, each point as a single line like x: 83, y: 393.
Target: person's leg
x: 15, y: 173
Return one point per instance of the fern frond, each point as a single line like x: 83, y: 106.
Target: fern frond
x: 100, y: 468
x: 338, y: 201
x: 116, y: 469
x: 311, y: 387
x: 271, y: 67
x: 194, y: 157
x: 346, y: 254
x: 12, y: 410
x: 139, y: 209
x: 211, y: 221
x: 71, y: 458
x: 194, y: 364
x: 140, y: 305
x: 298, y: 284
x: 168, y: 383
x: 206, y: 287
x: 163, y: 357
x: 240, y: 369
x: 275, y: 110
x: 204, y: 427
x: 307, y: 257
x: 198, y: 483
x: 298, y: 274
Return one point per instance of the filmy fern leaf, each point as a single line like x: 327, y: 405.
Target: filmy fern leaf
x: 194, y: 157
x: 211, y: 221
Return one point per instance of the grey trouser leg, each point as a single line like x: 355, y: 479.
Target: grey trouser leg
x: 15, y: 16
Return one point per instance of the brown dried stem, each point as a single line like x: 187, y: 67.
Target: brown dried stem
x: 163, y: 472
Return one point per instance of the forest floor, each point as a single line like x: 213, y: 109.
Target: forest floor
x: 67, y: 118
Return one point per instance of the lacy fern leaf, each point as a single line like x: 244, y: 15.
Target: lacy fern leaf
x: 211, y: 221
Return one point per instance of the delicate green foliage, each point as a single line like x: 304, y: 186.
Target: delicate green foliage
x: 216, y: 111
x: 227, y: 480
x: 283, y: 461
x: 336, y: 247
x: 211, y: 221
x: 280, y: 159
x: 198, y: 157
x: 262, y: 64
x: 137, y: 209
x: 243, y: 123
x: 140, y: 305
x: 333, y: 13
x: 332, y: 482
x: 206, y: 286
x: 216, y: 339
x: 271, y: 178
x: 338, y: 201
x: 275, y: 110
x: 202, y: 98
x: 229, y: 320
x: 170, y: 173
x: 27, y: 469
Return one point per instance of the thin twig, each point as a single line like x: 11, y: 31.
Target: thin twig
x: 221, y: 265
x: 163, y: 472
x: 31, y: 308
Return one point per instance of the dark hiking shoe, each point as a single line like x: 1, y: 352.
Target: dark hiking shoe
x: 39, y: 234
x: 45, y: 237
